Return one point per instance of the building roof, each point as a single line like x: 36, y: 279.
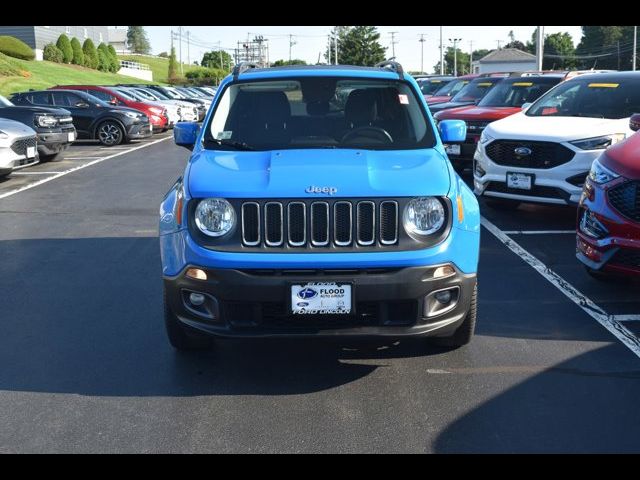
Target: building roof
x: 118, y: 35
x: 507, y: 55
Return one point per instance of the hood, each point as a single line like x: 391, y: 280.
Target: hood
x: 125, y: 109
x: 15, y: 129
x: 37, y: 109
x: 474, y: 113
x: 447, y: 105
x: 440, y: 99
x: 624, y: 158
x: 288, y: 173
x: 558, y: 129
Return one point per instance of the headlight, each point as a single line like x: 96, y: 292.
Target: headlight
x: 600, y: 174
x: 424, y: 216
x: 598, y: 143
x: 485, y: 137
x: 46, y: 121
x: 132, y: 115
x: 215, y: 217
x: 3, y: 135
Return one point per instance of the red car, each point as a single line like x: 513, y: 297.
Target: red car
x: 447, y: 92
x: 503, y: 100
x: 608, y: 230
x: 157, y: 113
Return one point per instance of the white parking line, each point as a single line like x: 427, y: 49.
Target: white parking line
x: 538, y: 232
x: 607, y: 321
x: 79, y: 167
x: 84, y: 157
x: 34, y: 173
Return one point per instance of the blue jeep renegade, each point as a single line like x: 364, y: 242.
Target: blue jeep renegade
x: 318, y: 201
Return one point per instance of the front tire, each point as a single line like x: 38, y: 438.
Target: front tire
x: 110, y: 133
x: 180, y: 336
x: 51, y: 158
x: 464, y: 333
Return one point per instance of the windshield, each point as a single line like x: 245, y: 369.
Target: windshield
x: 130, y: 94
x: 5, y: 102
x: 517, y: 93
x: 145, y: 95
x: 319, y: 112
x: 590, y: 97
x: 451, y: 88
x: 160, y: 95
x: 122, y: 94
x: 173, y: 93
x: 429, y: 87
x: 475, y: 90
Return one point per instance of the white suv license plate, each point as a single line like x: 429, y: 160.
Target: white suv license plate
x: 321, y: 298
x: 521, y: 181
x: 31, y: 152
x: 72, y: 136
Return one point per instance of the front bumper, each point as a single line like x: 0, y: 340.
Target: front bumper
x: 255, y: 303
x: 53, y: 143
x: 139, y: 130
x: 549, y: 185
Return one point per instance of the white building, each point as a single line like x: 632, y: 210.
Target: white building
x: 118, y: 39
x: 505, y: 60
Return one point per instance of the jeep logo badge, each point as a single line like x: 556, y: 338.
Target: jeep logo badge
x: 328, y: 190
x: 522, y: 151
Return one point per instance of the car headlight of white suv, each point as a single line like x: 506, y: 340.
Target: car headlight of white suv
x: 598, y: 143
x: 485, y: 137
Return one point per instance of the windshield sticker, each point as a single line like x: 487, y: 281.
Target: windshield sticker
x: 604, y: 85
x: 522, y: 84
x: 436, y: 81
x: 226, y: 135
x: 485, y: 84
x: 404, y: 100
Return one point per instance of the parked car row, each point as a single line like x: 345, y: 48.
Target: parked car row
x: 39, y: 125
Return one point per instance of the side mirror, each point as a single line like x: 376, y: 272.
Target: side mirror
x: 185, y: 134
x: 526, y: 105
x: 452, y: 131
x: 634, y: 122
x: 113, y: 101
x: 82, y: 105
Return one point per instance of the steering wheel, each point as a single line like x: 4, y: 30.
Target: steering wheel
x: 375, y: 133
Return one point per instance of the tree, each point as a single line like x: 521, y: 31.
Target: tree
x: 104, y: 58
x: 559, y: 52
x: 516, y: 44
x: 64, y: 45
x: 217, y: 59
x: 478, y: 54
x: 282, y: 63
x: 462, y: 59
x: 90, y: 54
x: 607, y: 47
x: 340, y: 32
x: 172, y: 74
x: 360, y: 46
x: 137, y: 40
x: 52, y: 53
x: 163, y: 55
x: 78, y: 54
x: 113, y: 57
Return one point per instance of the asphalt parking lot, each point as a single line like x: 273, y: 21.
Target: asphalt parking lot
x: 85, y: 365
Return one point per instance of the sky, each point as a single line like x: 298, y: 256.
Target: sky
x: 310, y: 41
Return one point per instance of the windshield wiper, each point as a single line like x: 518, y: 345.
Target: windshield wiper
x: 231, y: 143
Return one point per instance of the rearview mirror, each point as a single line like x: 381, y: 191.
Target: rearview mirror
x: 634, y: 122
x: 185, y: 134
x: 452, y: 131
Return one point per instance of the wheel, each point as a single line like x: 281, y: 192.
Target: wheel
x: 503, y: 204
x: 110, y: 133
x: 464, y: 333
x: 51, y: 158
x: 180, y: 336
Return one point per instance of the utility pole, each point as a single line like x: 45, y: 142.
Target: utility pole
x: 180, y: 36
x: 220, y: 52
x: 291, y: 44
x: 422, y: 40
x: 335, y: 39
x: 441, y: 54
x: 635, y: 36
x: 188, y: 56
x: 540, y: 47
x: 455, y: 55
x: 330, y: 39
x: 470, y: 56
x: 393, y: 44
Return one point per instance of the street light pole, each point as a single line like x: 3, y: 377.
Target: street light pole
x: 635, y: 36
x: 441, y: 54
x: 455, y: 55
x: 422, y: 40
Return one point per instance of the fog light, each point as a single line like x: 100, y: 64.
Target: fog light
x: 196, y: 299
x: 443, y: 271
x: 196, y: 274
x: 442, y: 297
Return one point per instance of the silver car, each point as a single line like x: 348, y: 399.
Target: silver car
x: 18, y: 146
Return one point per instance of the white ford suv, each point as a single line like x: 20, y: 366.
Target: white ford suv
x: 544, y: 153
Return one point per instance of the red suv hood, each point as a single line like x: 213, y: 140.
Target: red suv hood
x: 624, y: 158
x: 488, y: 114
x: 441, y: 99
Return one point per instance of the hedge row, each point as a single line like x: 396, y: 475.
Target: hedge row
x: 103, y: 58
x: 15, y: 48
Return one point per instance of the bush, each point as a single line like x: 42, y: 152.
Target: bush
x: 90, y: 54
x: 104, y: 60
x: 163, y: 55
x: 113, y: 56
x: 78, y: 54
x: 15, y: 48
x: 205, y: 76
x: 52, y: 53
x: 8, y: 68
x: 64, y: 45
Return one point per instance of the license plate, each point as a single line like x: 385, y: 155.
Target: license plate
x: 452, y: 149
x: 521, y: 181
x: 72, y: 136
x: 321, y: 298
x: 31, y: 152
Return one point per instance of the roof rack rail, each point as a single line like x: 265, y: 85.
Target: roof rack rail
x: 242, y: 67
x: 392, y: 65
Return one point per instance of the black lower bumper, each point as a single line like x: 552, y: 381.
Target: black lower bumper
x: 54, y: 143
x: 255, y: 303
x: 139, y: 131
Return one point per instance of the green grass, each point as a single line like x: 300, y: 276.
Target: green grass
x: 159, y: 66
x: 42, y: 75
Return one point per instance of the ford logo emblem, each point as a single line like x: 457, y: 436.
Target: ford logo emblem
x: 302, y: 304
x: 307, y: 293
x: 522, y: 151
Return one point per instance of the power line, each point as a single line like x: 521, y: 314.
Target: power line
x: 422, y: 40
x: 393, y: 43
x: 291, y: 44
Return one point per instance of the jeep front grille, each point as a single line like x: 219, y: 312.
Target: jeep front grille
x: 340, y: 223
